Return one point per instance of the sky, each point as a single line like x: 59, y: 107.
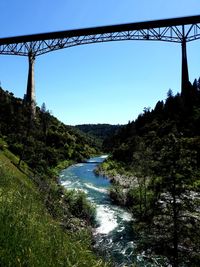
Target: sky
x: 99, y: 83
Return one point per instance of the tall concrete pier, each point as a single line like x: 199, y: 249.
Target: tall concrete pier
x: 185, y: 75
x: 30, y: 92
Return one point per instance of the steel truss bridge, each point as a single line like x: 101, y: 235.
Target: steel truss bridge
x: 177, y: 30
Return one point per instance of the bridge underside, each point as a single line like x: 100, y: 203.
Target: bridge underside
x: 178, y: 30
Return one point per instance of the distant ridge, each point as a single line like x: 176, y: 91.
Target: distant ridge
x: 100, y: 131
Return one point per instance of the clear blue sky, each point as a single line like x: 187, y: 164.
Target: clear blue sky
x: 99, y: 83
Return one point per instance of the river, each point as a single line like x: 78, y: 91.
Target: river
x: 114, y: 237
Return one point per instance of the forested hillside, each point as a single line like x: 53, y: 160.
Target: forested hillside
x: 43, y: 142
x: 99, y: 131
x: 41, y: 223
x: 155, y: 167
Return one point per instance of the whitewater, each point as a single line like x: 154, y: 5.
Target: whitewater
x: 113, y: 235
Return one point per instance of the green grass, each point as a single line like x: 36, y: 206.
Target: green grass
x: 29, y: 236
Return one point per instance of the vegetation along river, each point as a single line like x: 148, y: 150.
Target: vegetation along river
x: 113, y: 235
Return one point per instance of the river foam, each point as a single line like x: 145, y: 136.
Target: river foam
x: 98, y: 189
x: 106, y: 219
x: 103, y: 156
x: 66, y: 183
x: 126, y: 216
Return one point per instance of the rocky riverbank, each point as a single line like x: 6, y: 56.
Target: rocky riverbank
x: 117, y: 174
x: 123, y: 181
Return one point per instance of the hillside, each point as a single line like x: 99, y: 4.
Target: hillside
x: 155, y: 168
x: 43, y: 142
x: 99, y: 131
x: 37, y: 220
x: 40, y: 221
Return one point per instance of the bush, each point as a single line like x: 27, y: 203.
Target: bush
x: 79, y: 206
x: 117, y: 195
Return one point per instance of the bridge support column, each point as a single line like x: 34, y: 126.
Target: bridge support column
x: 30, y: 92
x: 185, y: 75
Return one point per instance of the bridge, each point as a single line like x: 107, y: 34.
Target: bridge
x: 177, y: 30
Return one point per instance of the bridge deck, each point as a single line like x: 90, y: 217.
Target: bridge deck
x: 102, y: 30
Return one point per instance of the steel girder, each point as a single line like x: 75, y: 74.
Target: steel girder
x: 39, y: 44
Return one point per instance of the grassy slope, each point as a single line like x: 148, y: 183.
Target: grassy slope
x: 29, y: 236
